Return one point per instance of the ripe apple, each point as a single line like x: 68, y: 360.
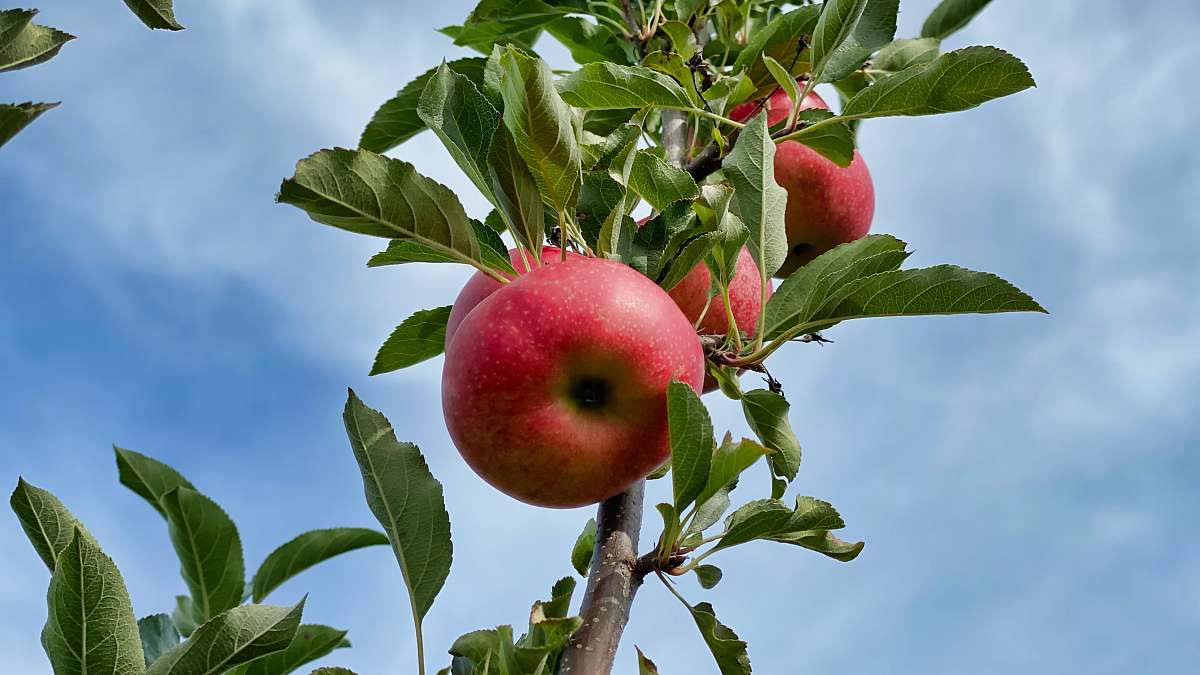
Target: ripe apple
x: 554, y: 387
x: 827, y: 204
x: 745, y: 297
x: 480, y: 285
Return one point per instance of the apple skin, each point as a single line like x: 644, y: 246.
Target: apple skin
x: 554, y: 387
x: 480, y: 285
x: 827, y: 204
x: 745, y: 297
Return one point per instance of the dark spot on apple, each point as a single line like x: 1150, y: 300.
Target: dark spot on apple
x: 801, y: 249
x: 591, y: 393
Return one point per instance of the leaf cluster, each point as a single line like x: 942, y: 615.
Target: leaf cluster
x: 91, y: 625
x: 24, y: 44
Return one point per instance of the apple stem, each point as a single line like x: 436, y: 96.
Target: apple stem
x: 613, y: 581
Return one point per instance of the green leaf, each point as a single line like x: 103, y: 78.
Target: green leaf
x: 609, y: 86
x: 807, y: 525
x: 604, y: 122
x: 755, y: 520
x: 47, y: 522
x: 614, y: 239
x: 464, y: 120
x: 658, y: 182
x: 727, y: 648
x: 939, y: 290
x: 307, y: 550
x: 834, y: 141
x: 805, y: 290
x: 589, y: 42
x: 729, y: 460
x: 767, y: 414
x: 779, y: 39
x: 903, y: 54
x: 708, y: 575
x: 691, y: 434
x: 334, y: 670
x: 505, y: 21
x: 12, y: 23
x: 148, y: 478
x: 420, y: 337
x: 476, y: 645
x: 758, y: 199
x: 32, y: 45
x: 518, y: 197
x: 209, y: 550
x: 711, y: 510
x: 184, y: 615
x: 16, y: 116
x: 673, y: 66
x: 683, y: 40
x: 232, y: 638
x: 838, y: 20
x: 598, y: 198
x: 560, y: 598
x: 155, y: 13
x: 406, y: 499
x: 645, y: 665
x: 694, y: 251
x: 397, y: 120
x: 492, y: 251
x: 599, y: 155
x: 158, y: 635
x: 729, y: 234
x: 875, y: 28
x: 541, y: 127
x: 370, y: 194
x: 823, y: 542
x: 90, y: 627
x: 954, y: 81
x: 549, y: 629
x: 783, y: 78
x: 686, y: 9
x: 665, y: 238
x: 671, y: 526
x: 950, y: 16
x: 312, y: 642
x: 581, y: 553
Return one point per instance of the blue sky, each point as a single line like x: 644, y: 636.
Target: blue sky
x: 1026, y: 485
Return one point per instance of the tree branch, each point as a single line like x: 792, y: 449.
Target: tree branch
x: 612, y: 583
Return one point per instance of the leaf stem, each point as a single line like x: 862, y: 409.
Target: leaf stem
x: 799, y: 133
x: 730, y: 319
x: 714, y: 116
x: 671, y: 587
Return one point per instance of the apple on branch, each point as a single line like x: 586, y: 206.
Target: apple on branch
x: 554, y: 387
x: 827, y: 204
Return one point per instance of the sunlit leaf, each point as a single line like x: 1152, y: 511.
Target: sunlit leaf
x: 90, y: 627
x: 418, y: 338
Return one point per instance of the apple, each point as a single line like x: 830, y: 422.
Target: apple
x: 480, y: 285
x: 745, y: 297
x: 554, y: 387
x: 827, y: 204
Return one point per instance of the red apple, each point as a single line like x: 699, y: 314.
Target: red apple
x: 554, y: 388
x: 745, y: 297
x: 480, y: 285
x: 827, y: 204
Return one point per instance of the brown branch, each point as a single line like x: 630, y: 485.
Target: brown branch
x: 613, y: 581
